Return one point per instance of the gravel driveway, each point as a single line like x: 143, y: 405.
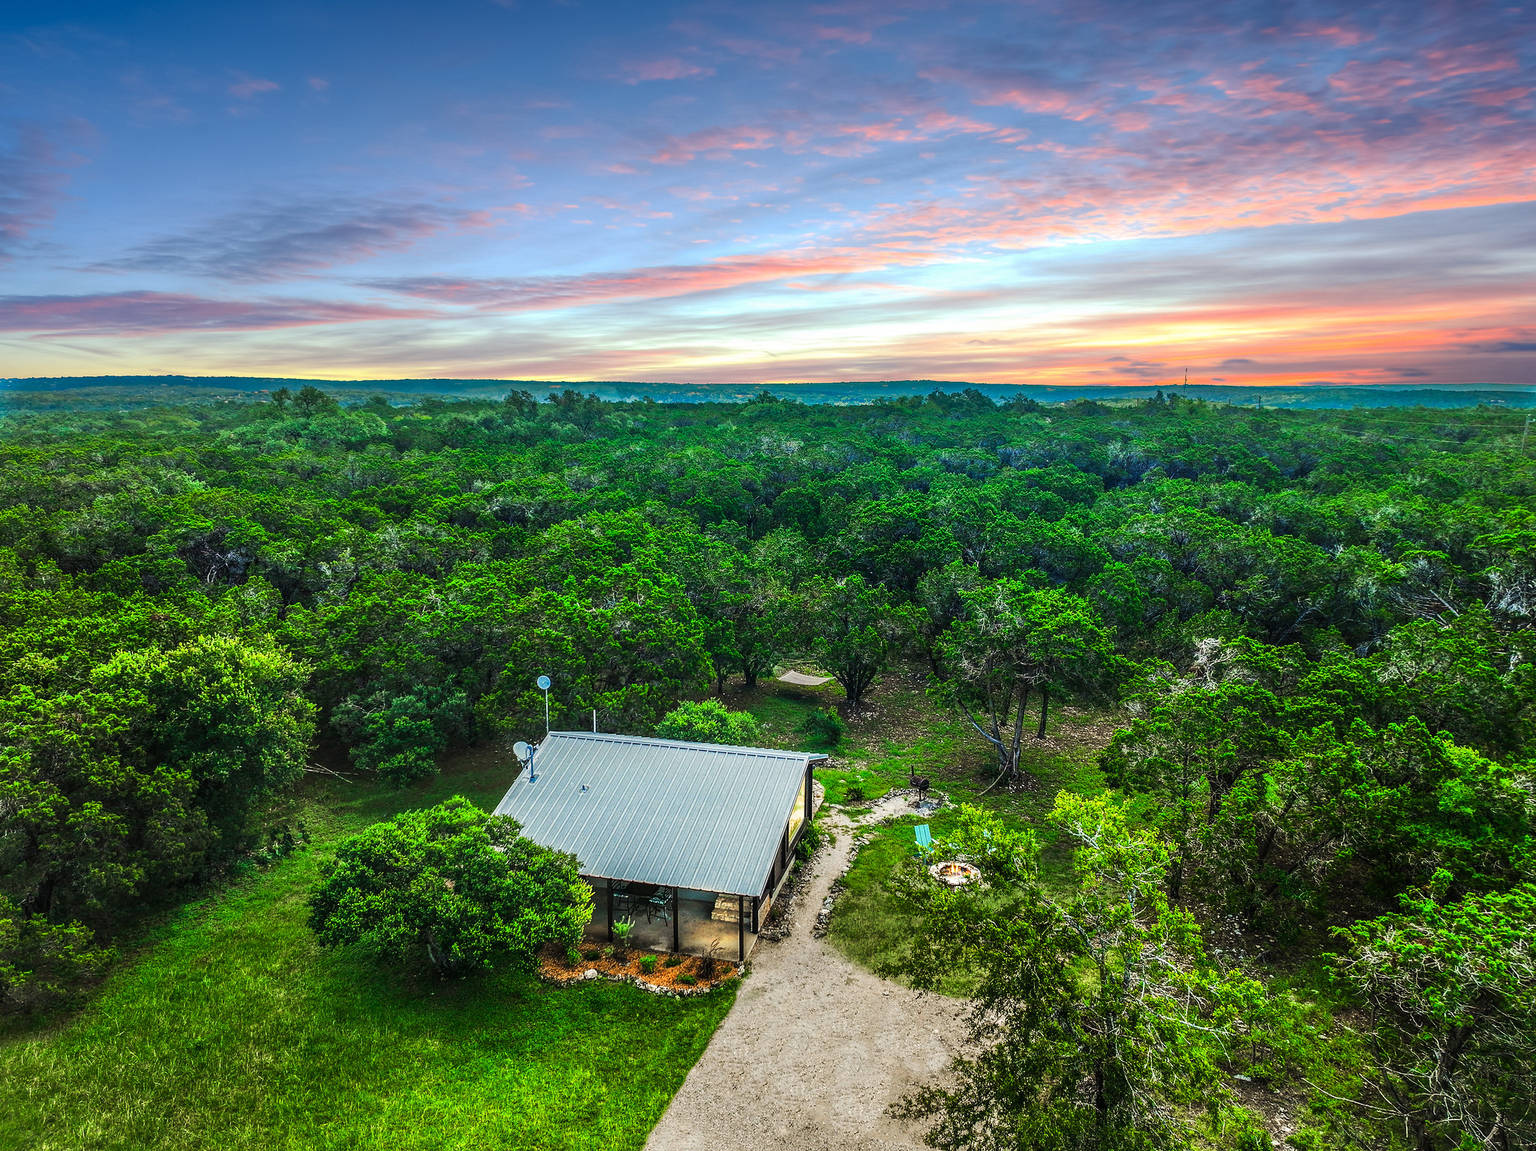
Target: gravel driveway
x: 815, y: 1048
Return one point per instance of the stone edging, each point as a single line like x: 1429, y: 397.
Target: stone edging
x: 783, y: 909
x: 824, y: 916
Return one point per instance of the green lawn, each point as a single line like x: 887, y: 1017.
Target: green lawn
x: 229, y: 1029
x: 870, y: 924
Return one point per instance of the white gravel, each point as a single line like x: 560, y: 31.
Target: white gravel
x: 815, y: 1049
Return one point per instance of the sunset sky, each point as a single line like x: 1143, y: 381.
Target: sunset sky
x: 1010, y: 193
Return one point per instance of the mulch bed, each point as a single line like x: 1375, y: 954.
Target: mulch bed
x: 553, y: 968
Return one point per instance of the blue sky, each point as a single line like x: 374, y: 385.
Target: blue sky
x: 1084, y: 193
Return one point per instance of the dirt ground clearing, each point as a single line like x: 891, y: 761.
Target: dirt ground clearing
x: 815, y: 1049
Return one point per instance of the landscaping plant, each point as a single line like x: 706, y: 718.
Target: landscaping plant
x: 452, y: 885
x: 825, y: 728
x: 622, y: 929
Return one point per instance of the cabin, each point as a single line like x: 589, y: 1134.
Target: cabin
x: 690, y: 842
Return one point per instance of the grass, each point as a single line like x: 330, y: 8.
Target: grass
x: 870, y: 924
x: 229, y: 1029
x: 906, y: 733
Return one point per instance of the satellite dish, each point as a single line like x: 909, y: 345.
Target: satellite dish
x: 521, y: 750
x: 543, y: 683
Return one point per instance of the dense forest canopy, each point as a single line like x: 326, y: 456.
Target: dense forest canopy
x: 1318, y: 625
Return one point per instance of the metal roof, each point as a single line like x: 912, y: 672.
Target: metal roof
x: 705, y: 816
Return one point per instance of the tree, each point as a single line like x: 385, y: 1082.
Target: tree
x: 399, y: 735
x: 453, y: 885
x: 938, y: 594
x: 1097, y: 1018
x: 852, y: 627
x: 893, y: 541
x: 1010, y: 641
x: 1188, y: 749
x: 1464, y: 676
x: 1287, y: 810
x: 622, y: 643
x: 710, y: 721
x: 1450, y: 991
x: 146, y: 775
x: 311, y: 401
x: 228, y: 712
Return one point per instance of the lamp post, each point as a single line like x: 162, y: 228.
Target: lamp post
x: 543, y: 682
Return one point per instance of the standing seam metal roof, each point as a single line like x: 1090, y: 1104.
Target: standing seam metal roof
x: 704, y: 816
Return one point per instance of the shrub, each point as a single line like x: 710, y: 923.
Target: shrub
x: 687, y: 980
x: 809, y: 842
x: 648, y: 964
x: 854, y: 794
x: 408, y: 766
x: 621, y: 933
x: 400, y: 735
x: 451, y: 884
x: 673, y: 960
x: 42, y: 963
x: 824, y: 727
x: 709, y: 721
x: 591, y: 952
x: 572, y: 957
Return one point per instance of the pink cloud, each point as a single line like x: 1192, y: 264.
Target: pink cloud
x: 743, y: 138
x: 946, y: 124
x: 537, y: 293
x: 844, y: 35
x: 1037, y: 99
x: 1272, y: 94
x: 249, y: 87
x: 1394, y: 77
x: 1339, y: 35
x: 888, y: 132
x: 1023, y: 93
x: 666, y: 68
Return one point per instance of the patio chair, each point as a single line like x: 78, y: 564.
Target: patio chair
x: 658, y: 907
x: 924, y: 839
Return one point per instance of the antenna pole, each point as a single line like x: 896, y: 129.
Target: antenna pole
x: 594, y: 721
x: 544, y: 685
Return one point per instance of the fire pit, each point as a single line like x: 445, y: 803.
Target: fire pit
x: 953, y: 873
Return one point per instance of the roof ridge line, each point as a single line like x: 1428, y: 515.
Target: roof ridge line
x: 620, y: 737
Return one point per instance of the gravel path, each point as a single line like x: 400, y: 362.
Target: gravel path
x: 815, y: 1048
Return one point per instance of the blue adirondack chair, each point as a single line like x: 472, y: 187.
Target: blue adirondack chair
x: 924, y: 838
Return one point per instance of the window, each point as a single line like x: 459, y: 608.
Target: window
x: 797, y: 813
